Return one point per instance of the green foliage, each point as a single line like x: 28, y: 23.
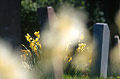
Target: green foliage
x: 29, y: 10
x: 86, y: 77
x: 98, y: 13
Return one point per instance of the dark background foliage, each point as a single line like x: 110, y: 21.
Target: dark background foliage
x: 29, y: 10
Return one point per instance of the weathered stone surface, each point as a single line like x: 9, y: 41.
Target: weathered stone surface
x: 46, y: 15
x: 102, y: 38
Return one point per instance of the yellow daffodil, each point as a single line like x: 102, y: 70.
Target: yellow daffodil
x: 39, y: 44
x: 25, y: 51
x: 81, y: 47
x: 118, y: 77
x: 82, y: 37
x: 37, y: 39
x: 69, y: 59
x: 37, y: 34
x: 28, y: 37
x: 35, y: 49
x: 35, y: 46
x: 32, y: 44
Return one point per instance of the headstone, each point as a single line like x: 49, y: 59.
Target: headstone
x: 101, y: 36
x: 51, y: 15
x: 115, y: 60
x: 46, y: 15
x: 42, y: 17
x: 10, y: 29
x: 117, y: 39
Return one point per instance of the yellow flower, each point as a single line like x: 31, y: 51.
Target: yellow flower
x: 28, y: 37
x: 81, y: 47
x: 69, y: 59
x: 39, y: 44
x: 118, y: 77
x: 26, y: 51
x: 36, y: 39
x: 37, y: 34
x: 35, y: 49
x: 82, y: 37
x: 32, y: 44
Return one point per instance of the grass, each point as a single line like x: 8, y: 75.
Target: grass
x: 75, y: 77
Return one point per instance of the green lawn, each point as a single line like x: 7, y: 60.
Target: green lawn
x: 70, y: 77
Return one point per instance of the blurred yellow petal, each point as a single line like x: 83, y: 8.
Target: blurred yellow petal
x: 38, y: 44
x: 118, y: 77
x: 32, y: 44
x: 82, y: 37
x: 36, y: 39
x: 28, y: 37
x: 37, y: 34
x: 70, y: 59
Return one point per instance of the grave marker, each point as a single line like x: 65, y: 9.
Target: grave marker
x: 101, y: 37
x: 46, y: 15
x: 42, y: 17
x: 117, y: 39
x: 10, y: 29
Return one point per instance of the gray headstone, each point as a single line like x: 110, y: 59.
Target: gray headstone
x: 115, y: 60
x: 10, y: 29
x: 101, y: 36
x: 117, y: 39
x: 46, y: 15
